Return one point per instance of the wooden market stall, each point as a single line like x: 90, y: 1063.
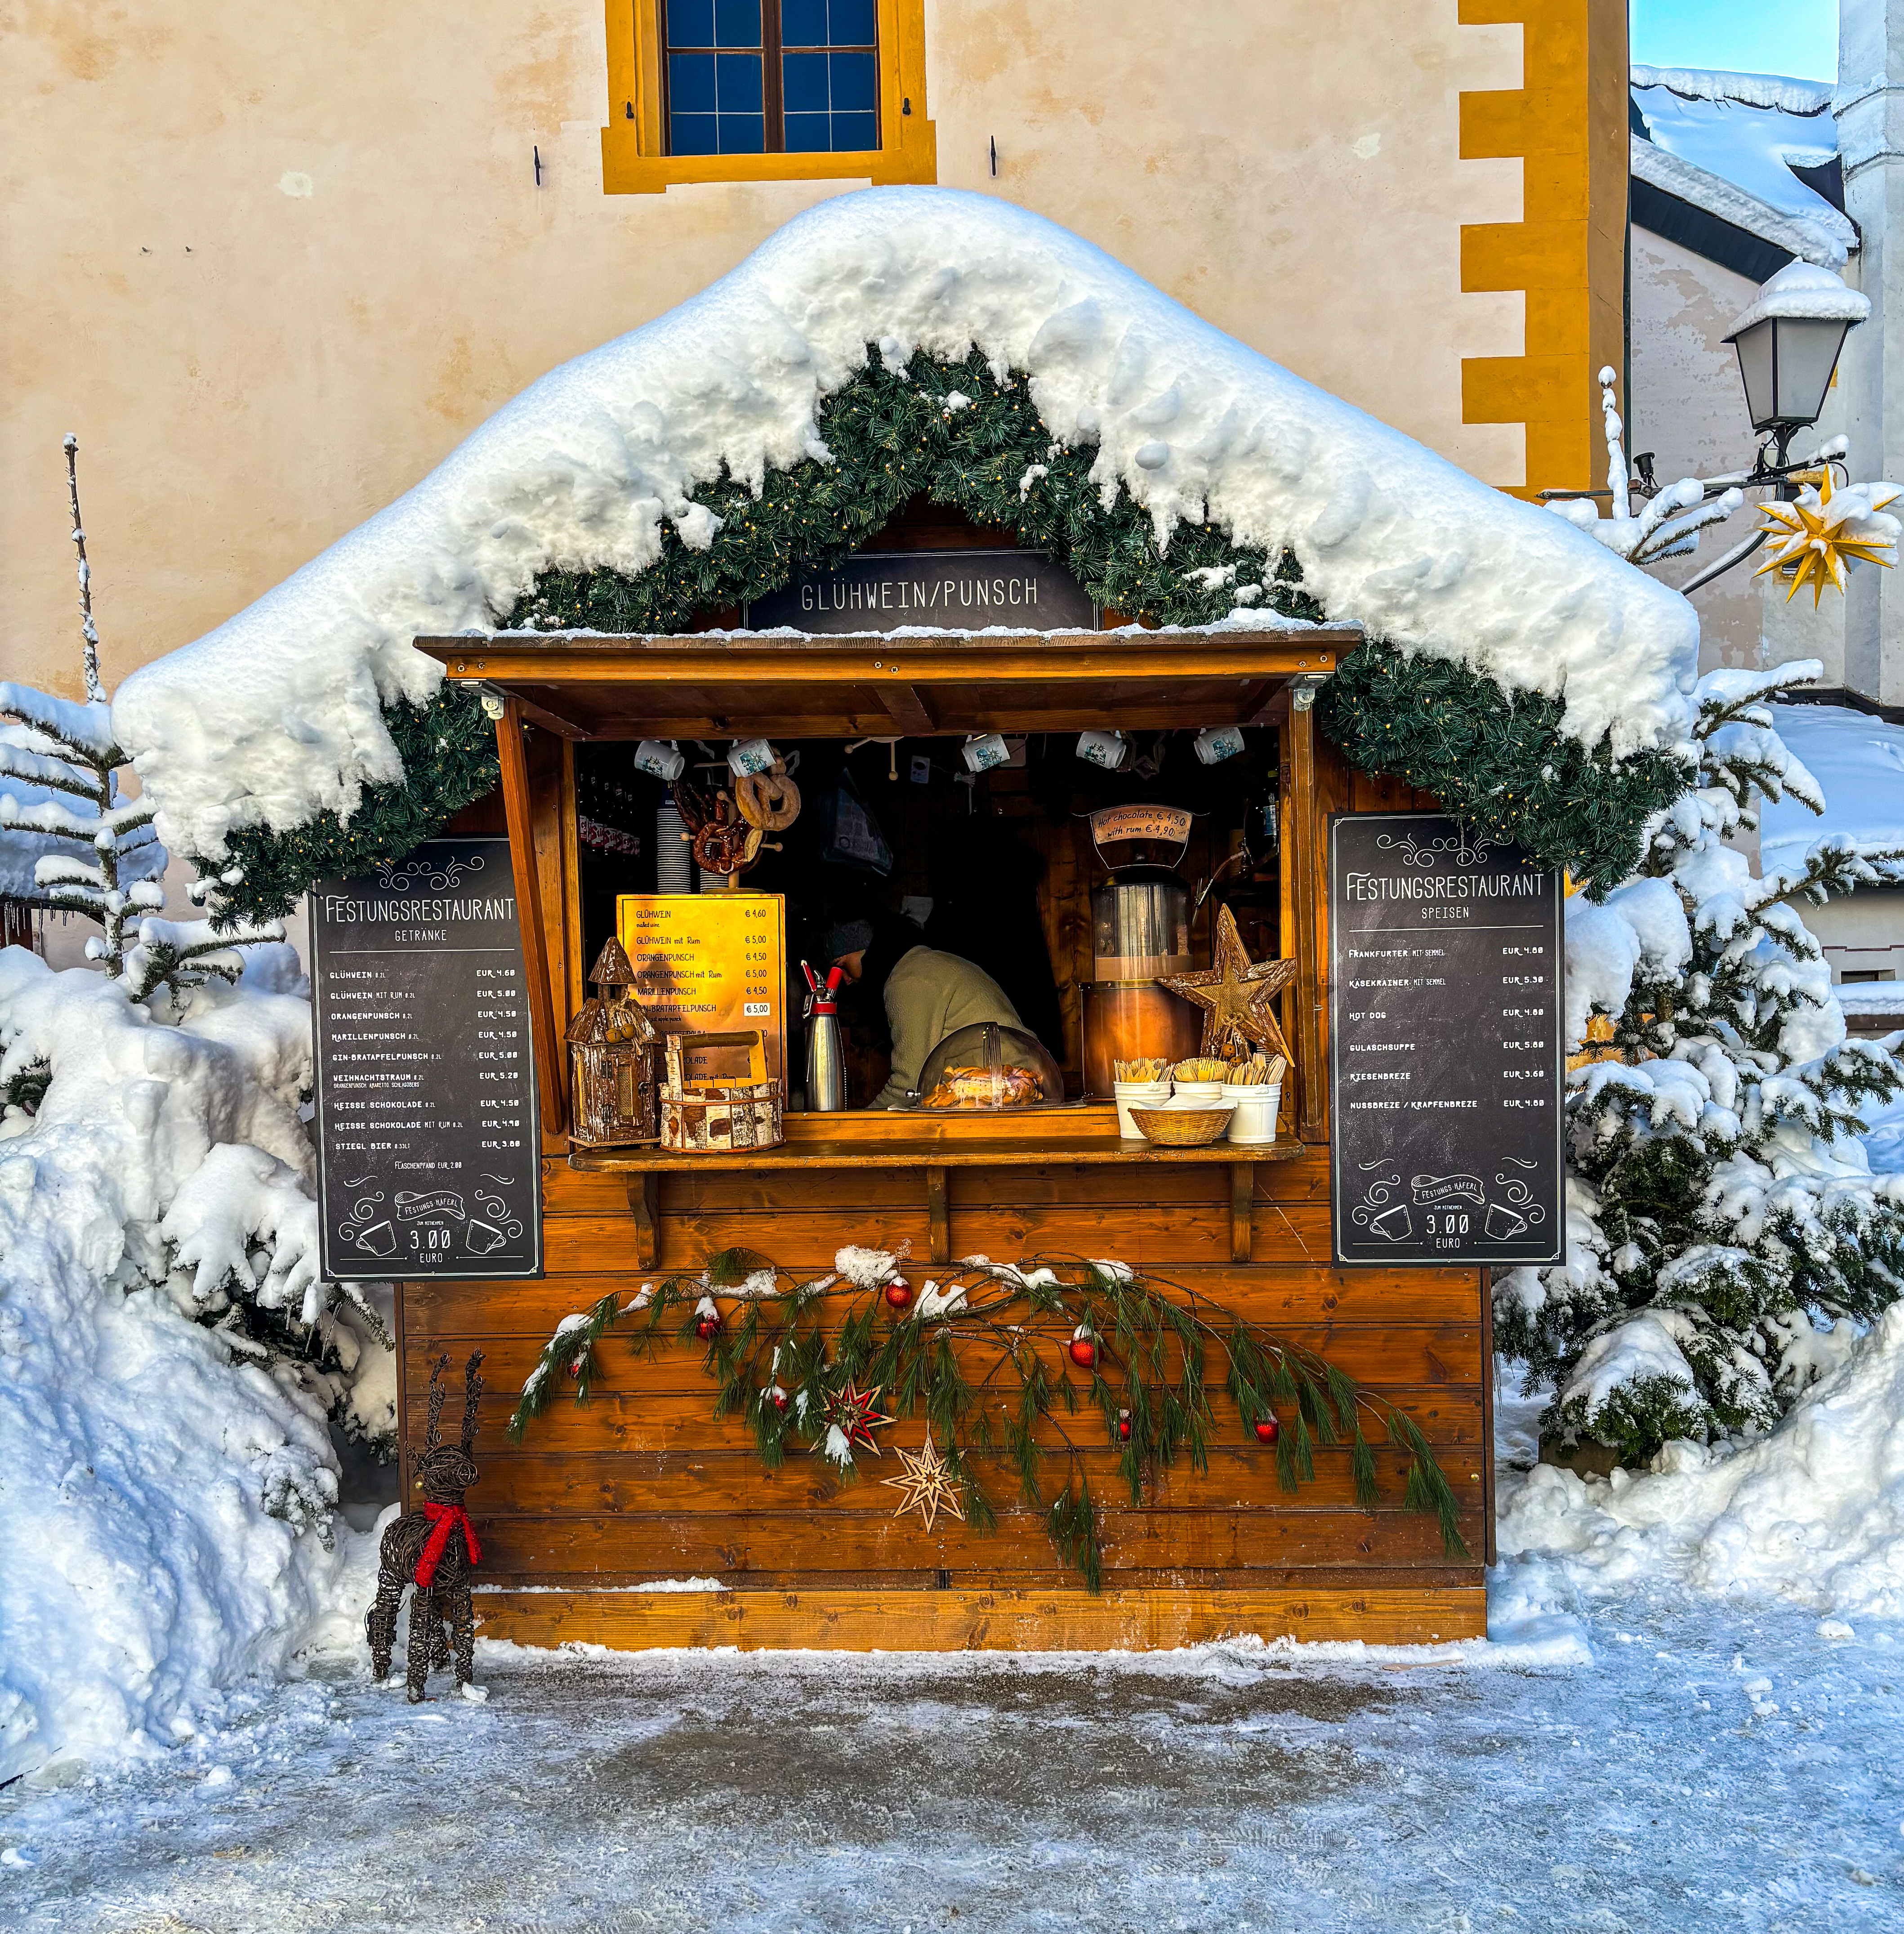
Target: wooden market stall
x: 644, y: 1483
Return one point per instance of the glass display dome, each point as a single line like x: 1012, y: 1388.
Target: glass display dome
x: 989, y: 1066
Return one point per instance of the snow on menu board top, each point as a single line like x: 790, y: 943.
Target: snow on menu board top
x: 1446, y: 1057
x: 428, y: 1151
x: 278, y: 713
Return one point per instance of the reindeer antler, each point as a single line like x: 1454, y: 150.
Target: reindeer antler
x: 472, y: 1388
x: 432, y: 1434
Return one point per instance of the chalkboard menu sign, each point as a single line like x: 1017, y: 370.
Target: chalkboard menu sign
x: 1445, y: 1049
x: 943, y: 590
x: 428, y: 1151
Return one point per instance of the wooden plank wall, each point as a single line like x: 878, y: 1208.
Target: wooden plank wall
x: 643, y: 1483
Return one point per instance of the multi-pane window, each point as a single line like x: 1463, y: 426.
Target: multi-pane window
x: 771, y: 76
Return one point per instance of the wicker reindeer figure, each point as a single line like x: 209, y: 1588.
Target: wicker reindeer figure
x: 436, y: 1551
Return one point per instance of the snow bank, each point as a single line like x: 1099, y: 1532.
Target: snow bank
x: 1858, y: 761
x: 1813, y: 1512
x: 1728, y: 143
x: 275, y: 715
x: 165, y: 1502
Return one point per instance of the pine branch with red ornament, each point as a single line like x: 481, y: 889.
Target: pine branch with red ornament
x: 829, y: 1366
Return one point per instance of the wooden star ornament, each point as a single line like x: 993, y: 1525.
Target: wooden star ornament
x: 855, y: 1414
x: 1814, y: 541
x: 1236, y: 995
x: 926, y: 1484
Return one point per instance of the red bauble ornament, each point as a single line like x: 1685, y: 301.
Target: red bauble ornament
x: 707, y: 1328
x: 1267, y: 1430
x: 575, y: 1368
x: 1084, y: 1351
x: 898, y: 1293
x: 777, y: 1397
x: 1124, y: 1426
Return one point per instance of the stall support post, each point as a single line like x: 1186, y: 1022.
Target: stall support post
x: 1242, y: 1193
x: 1303, y: 855
x: 517, y: 809
x: 938, y: 1215
x: 644, y: 1205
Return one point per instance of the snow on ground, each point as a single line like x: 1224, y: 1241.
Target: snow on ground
x: 1858, y: 762
x: 276, y: 714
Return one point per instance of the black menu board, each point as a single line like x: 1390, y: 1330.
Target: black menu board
x: 1445, y: 1048
x: 428, y: 1149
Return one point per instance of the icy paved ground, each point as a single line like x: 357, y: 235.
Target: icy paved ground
x: 1643, y: 1782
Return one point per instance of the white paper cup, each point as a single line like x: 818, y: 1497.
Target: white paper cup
x: 1255, y: 1120
x: 1129, y: 1094
x: 1198, y: 1094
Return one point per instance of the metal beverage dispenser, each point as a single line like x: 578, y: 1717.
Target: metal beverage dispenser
x: 1139, y: 928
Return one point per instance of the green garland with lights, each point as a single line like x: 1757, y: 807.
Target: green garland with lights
x: 961, y: 436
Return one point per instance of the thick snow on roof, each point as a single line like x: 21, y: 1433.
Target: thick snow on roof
x: 1744, y: 133
x: 1858, y: 761
x: 1804, y: 289
x: 274, y: 714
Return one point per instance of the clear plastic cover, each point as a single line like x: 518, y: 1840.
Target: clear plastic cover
x: 989, y: 1066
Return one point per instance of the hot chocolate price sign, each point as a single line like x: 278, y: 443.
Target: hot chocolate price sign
x: 1445, y: 1045
x: 428, y: 1151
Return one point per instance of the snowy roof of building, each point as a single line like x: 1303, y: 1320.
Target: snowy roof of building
x: 1728, y: 143
x: 276, y: 714
x: 1858, y: 762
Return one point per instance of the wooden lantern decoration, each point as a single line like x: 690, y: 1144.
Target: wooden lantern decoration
x: 611, y: 1060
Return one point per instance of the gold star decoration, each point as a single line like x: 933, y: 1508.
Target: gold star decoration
x: 926, y: 1484
x: 1236, y: 994
x: 855, y: 1415
x: 1813, y: 542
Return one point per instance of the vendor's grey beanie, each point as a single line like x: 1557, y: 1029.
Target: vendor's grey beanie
x: 851, y: 936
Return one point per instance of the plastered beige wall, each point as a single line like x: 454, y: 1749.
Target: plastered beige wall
x: 272, y: 264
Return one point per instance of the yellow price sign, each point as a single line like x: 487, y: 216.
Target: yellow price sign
x: 710, y: 963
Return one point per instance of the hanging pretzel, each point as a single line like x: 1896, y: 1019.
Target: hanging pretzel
x: 769, y: 800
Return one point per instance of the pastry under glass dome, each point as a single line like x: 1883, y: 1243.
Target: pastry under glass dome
x: 989, y: 1066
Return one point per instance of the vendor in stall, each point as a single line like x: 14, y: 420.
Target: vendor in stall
x: 928, y: 994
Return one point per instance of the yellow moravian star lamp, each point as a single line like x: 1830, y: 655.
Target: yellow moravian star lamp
x: 1810, y: 539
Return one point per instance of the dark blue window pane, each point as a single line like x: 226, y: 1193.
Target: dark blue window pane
x: 739, y: 75
x: 690, y: 83
x: 808, y: 134
x: 743, y: 134
x: 691, y: 23
x: 803, y: 23
x: 855, y: 133
x: 854, y: 83
x: 804, y: 78
x: 692, y: 134
x: 852, y: 23
x: 737, y: 23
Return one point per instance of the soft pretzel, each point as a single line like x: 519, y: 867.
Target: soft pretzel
x: 769, y: 800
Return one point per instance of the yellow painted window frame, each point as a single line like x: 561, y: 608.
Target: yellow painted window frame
x: 634, y: 160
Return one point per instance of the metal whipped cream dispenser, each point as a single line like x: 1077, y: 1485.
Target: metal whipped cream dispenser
x: 826, y: 1066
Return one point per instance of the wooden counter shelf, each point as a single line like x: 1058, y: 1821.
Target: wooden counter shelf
x: 1086, y: 1137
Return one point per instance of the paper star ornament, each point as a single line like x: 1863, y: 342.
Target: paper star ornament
x: 1816, y: 534
x: 1237, y: 995
x: 926, y: 1484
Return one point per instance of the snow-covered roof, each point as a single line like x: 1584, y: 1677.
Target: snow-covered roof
x: 276, y: 714
x: 1804, y: 289
x: 1727, y: 143
x: 1858, y: 762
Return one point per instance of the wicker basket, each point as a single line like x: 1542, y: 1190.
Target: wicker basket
x: 1181, y: 1128
x: 719, y: 1117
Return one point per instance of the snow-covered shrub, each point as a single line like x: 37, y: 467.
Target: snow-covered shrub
x: 1722, y: 1216
x: 169, y: 1358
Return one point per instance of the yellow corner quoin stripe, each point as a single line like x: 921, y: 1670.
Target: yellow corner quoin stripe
x: 633, y: 156
x: 1567, y: 124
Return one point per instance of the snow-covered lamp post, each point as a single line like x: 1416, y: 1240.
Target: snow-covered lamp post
x: 1788, y: 342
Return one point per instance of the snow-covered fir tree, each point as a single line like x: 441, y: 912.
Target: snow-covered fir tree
x: 93, y: 851
x: 1726, y: 1236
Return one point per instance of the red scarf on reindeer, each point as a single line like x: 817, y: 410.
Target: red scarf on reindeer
x: 444, y: 1519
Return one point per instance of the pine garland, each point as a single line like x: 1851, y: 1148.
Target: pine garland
x: 448, y: 748
x: 780, y: 1365
x: 961, y: 435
